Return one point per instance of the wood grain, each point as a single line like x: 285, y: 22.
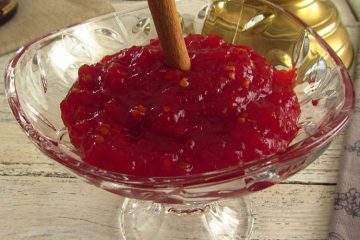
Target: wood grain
x: 71, y: 209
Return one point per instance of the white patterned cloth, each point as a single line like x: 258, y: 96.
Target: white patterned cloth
x: 345, y: 221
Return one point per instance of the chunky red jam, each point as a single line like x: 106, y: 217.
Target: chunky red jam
x: 132, y: 114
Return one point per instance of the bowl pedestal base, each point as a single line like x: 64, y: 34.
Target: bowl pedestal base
x: 230, y: 220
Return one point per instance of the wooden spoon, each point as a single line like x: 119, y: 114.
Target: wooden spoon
x: 169, y: 30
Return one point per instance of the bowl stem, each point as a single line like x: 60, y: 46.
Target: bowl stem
x: 230, y: 220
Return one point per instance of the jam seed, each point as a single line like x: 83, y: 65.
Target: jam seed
x: 75, y: 90
x: 246, y: 83
x: 184, y: 82
x: 232, y: 75
x: 240, y: 50
x: 241, y: 120
x: 104, y: 129
x: 230, y: 68
x: 187, y: 167
x: 166, y: 109
x: 138, y: 111
x: 243, y: 117
x: 87, y: 78
x: 99, y: 139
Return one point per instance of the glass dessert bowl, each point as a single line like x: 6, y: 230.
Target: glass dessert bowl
x: 40, y: 75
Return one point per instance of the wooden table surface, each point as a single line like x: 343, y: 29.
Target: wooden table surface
x: 41, y: 200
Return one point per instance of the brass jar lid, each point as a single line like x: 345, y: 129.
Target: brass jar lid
x: 323, y: 17
x: 278, y: 34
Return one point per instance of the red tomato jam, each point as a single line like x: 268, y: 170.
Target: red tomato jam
x: 132, y: 114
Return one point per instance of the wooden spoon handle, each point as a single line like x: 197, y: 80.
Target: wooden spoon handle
x: 168, y: 28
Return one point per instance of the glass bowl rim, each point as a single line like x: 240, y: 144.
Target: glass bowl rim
x: 322, y: 137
